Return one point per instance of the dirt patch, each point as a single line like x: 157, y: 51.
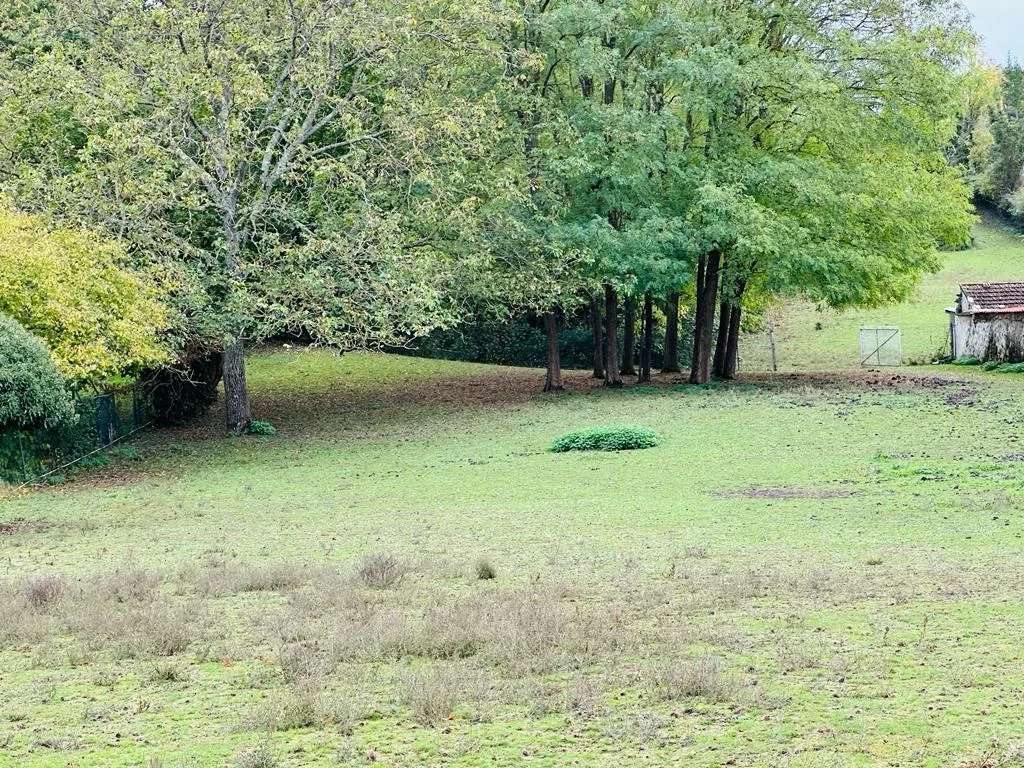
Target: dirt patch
x: 965, y: 396
x: 17, y: 527
x: 784, y: 492
x: 872, y: 381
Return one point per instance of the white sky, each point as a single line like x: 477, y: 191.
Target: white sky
x: 1001, y: 26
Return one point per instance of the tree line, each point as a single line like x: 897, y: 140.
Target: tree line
x: 989, y: 144
x: 362, y: 173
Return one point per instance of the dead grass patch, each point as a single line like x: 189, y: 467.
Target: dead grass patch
x: 433, y: 693
x: 303, y: 706
x: 787, y: 492
x: 704, y: 677
x: 220, y: 576
x: 381, y: 571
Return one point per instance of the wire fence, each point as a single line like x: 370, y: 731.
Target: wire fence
x: 31, y: 456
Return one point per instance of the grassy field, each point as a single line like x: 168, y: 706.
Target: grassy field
x: 812, y: 338
x: 814, y: 569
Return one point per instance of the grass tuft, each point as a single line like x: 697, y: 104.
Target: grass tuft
x: 484, y: 570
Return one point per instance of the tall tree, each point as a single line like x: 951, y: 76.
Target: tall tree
x: 300, y: 164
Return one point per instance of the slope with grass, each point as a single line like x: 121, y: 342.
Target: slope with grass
x: 806, y: 570
x: 810, y: 338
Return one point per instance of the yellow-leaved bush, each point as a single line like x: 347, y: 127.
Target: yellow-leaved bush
x: 75, y: 290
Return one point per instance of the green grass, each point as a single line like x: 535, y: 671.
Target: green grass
x: 802, y: 345
x: 807, y: 571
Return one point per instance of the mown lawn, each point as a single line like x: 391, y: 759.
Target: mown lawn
x: 808, y: 570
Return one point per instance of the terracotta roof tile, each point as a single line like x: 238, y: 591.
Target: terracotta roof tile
x: 995, y: 297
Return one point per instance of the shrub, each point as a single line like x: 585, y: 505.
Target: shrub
x: 77, y: 291
x: 606, y: 439
x: 264, y: 428
x: 32, y: 392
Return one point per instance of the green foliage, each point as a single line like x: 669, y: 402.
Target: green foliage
x: 996, y: 144
x: 32, y: 391
x: 28, y: 453
x: 292, y: 167
x: 612, y: 438
x: 74, y: 289
x: 998, y: 367
x: 264, y: 428
x: 966, y: 360
x: 505, y: 342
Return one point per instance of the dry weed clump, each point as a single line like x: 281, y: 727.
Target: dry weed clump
x: 433, y: 693
x: 123, y: 611
x: 39, y: 592
x: 584, y: 699
x: 130, y: 583
x: 703, y: 677
x: 220, y: 577
x: 304, y: 660
x: 256, y: 756
x: 381, y: 571
x: 306, y: 705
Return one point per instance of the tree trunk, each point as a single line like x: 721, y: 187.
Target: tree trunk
x: 698, y: 313
x: 598, y: 336
x: 648, y: 340
x: 553, y: 379
x: 732, y: 346
x: 237, y: 411
x: 732, y: 350
x: 700, y: 373
x: 629, y: 337
x: 236, y: 394
x: 611, y: 361
x: 724, y: 311
x: 671, y: 362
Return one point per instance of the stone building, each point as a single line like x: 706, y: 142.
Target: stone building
x: 987, y: 322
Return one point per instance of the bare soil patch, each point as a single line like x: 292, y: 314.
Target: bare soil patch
x: 784, y: 492
x: 19, y: 527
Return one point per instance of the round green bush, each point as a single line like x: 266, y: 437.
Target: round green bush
x: 32, y: 391
x: 606, y: 439
x: 264, y: 428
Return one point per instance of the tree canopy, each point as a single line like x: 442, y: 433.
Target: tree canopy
x: 74, y: 290
x: 362, y: 173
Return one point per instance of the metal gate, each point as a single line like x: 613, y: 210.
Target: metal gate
x: 882, y: 345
